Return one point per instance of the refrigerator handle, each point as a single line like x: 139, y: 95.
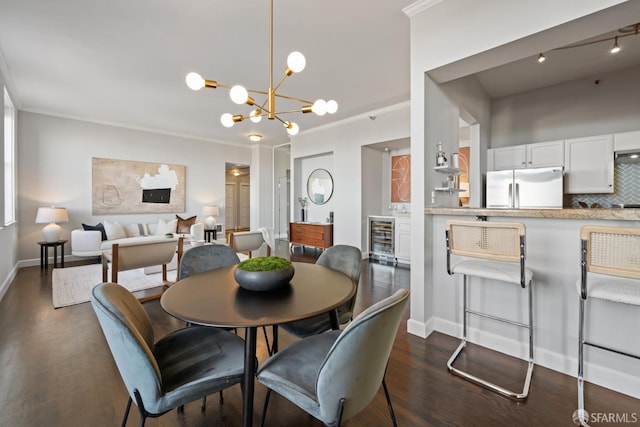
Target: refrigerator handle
x: 517, y: 203
x: 510, y: 195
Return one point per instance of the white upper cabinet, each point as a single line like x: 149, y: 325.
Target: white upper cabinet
x: 589, y: 165
x: 514, y: 157
x: 626, y: 141
x: 544, y: 154
x: 541, y: 154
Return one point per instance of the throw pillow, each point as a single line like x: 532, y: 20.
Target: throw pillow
x: 135, y: 230
x: 114, y: 230
x: 98, y: 227
x: 184, y: 225
x: 166, y: 227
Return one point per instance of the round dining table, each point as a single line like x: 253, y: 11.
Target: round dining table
x: 214, y: 298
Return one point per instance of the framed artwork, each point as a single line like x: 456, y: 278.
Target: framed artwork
x: 464, y: 157
x: 124, y: 186
x: 401, y: 178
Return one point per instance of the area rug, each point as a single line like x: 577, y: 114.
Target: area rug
x: 73, y: 285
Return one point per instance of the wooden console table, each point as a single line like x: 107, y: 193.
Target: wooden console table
x: 310, y: 234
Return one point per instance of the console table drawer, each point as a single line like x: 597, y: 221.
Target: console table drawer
x: 318, y: 235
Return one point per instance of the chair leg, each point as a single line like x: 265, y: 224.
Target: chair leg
x: 391, y: 412
x: 582, y: 414
x: 498, y: 389
x: 266, y: 340
x: 126, y: 412
x: 264, y: 409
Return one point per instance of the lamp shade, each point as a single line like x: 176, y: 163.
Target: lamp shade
x: 50, y: 216
x: 210, y: 212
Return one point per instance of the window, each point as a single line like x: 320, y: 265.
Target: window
x: 9, y: 160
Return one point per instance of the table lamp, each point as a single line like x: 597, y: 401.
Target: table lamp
x: 50, y: 216
x: 210, y: 212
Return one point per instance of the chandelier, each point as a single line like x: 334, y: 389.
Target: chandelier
x: 240, y: 95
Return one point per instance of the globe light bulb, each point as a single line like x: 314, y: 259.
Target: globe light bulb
x: 255, y: 116
x: 194, y: 81
x: 332, y: 106
x: 296, y: 62
x: 292, y: 128
x: 319, y: 107
x: 227, y: 120
x: 239, y: 94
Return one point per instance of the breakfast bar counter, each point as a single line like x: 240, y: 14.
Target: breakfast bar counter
x: 586, y: 214
x: 553, y: 254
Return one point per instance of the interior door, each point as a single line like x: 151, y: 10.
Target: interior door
x: 244, y: 206
x: 230, y: 206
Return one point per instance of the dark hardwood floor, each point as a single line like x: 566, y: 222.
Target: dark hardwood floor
x: 56, y: 370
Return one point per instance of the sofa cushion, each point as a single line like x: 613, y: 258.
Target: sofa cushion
x: 135, y: 230
x: 114, y: 230
x: 184, y: 225
x: 99, y: 227
x: 166, y: 227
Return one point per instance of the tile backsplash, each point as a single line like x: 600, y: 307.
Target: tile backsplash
x: 626, y: 189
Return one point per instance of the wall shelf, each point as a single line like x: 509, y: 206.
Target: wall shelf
x: 448, y: 170
x: 448, y: 190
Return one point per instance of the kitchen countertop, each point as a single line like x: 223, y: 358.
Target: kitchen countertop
x: 595, y: 214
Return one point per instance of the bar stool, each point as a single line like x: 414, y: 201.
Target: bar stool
x: 497, y: 252
x: 610, y: 266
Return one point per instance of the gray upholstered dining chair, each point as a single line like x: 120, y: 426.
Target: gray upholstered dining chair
x: 345, y: 259
x: 185, y: 365
x: 326, y: 375
x: 206, y: 258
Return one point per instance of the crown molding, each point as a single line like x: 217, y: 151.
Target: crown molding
x: 419, y: 7
x: 130, y: 127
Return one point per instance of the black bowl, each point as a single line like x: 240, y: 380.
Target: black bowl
x: 263, y: 280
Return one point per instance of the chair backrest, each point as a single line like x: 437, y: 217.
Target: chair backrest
x: 131, y: 256
x: 497, y: 241
x: 129, y: 334
x: 205, y: 258
x: 247, y: 241
x: 355, y: 365
x: 347, y: 260
x: 611, y: 250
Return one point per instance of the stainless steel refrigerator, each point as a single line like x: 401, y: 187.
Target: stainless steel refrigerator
x: 540, y: 188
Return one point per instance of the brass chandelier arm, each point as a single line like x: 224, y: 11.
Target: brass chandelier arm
x: 293, y: 98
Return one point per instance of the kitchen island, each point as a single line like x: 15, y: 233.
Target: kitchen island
x: 553, y: 253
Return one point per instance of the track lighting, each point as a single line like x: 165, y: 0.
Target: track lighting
x: 630, y: 30
x: 616, y: 47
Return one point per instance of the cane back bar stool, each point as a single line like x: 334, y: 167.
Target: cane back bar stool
x: 610, y: 264
x: 496, y: 251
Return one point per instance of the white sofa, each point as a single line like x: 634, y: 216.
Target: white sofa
x: 89, y: 243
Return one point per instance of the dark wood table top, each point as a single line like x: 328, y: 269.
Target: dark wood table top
x: 214, y: 298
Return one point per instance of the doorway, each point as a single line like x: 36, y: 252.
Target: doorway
x: 237, y: 200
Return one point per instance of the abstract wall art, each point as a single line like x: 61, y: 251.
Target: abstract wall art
x: 124, y: 186
x: 401, y: 178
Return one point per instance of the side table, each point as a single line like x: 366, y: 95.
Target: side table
x: 209, y: 234
x: 44, y: 253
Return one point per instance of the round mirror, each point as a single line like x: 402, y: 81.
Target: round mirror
x: 320, y: 186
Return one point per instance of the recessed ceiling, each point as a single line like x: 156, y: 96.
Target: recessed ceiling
x: 124, y: 62
x: 562, y: 65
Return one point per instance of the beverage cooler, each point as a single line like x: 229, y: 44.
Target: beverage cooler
x: 381, y: 239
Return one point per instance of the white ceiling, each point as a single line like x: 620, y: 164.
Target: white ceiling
x: 123, y: 62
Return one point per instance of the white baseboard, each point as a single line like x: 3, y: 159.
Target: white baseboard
x: 423, y: 330
x: 4, y: 287
x: 596, y: 374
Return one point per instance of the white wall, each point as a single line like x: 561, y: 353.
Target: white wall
x: 306, y: 165
x: 54, y: 161
x: 345, y: 139
x: 8, y: 234
x: 569, y: 110
x: 494, y: 33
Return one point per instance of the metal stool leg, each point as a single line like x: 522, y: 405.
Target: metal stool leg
x: 480, y: 381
